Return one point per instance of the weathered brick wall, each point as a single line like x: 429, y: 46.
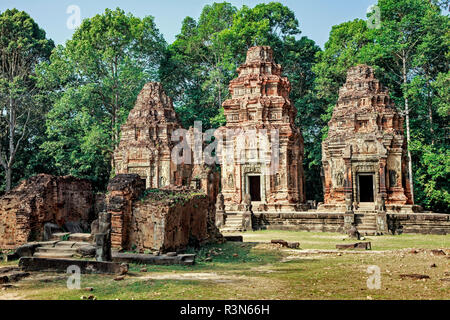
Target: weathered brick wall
x: 123, y: 189
x: 41, y: 199
x: 169, y: 220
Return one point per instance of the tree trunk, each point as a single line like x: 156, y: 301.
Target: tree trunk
x: 10, y: 160
x: 430, y: 111
x: 8, y: 178
x: 408, y: 133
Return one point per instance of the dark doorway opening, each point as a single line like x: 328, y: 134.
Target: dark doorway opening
x: 255, y: 187
x: 366, y: 188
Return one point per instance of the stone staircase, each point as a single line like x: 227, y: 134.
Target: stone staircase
x: 366, y: 222
x: 63, y: 245
x: 233, y: 223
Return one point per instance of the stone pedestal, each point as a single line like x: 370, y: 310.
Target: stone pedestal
x: 349, y: 221
x: 247, y: 221
x: 103, y: 247
x: 220, y: 219
x: 382, y: 224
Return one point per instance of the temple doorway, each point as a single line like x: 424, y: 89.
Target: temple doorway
x: 254, y: 186
x: 365, y: 188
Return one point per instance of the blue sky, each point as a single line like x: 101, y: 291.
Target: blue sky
x: 316, y: 17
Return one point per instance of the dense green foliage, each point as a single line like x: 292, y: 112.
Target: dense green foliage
x: 23, y: 46
x: 82, y: 93
x: 94, y: 80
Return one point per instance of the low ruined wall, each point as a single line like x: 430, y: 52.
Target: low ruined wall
x: 315, y: 222
x: 39, y: 200
x: 169, y: 221
x: 424, y: 223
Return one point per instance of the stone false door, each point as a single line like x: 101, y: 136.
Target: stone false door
x: 254, y: 182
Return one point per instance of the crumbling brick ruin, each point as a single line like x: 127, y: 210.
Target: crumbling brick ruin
x: 44, y: 199
x: 146, y: 141
x: 260, y: 108
x: 364, y: 156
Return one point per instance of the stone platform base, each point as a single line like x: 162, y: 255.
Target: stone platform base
x: 183, y: 259
x: 366, y: 223
x: 424, y: 223
x: 61, y: 265
x: 266, y: 207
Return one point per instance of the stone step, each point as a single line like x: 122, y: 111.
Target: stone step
x: 234, y: 226
x: 72, y: 244
x: 234, y: 218
x: 233, y: 221
x: 45, y: 243
x: 230, y: 230
x: 81, y: 237
x: 59, y: 235
x: 52, y: 255
x: 56, y: 249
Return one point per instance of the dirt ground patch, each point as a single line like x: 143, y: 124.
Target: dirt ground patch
x: 261, y: 270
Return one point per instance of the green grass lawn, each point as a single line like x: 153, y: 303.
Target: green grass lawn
x: 258, y: 270
x: 326, y: 240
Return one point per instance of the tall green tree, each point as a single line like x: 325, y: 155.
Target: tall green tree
x: 342, y: 51
x: 197, y: 67
x: 406, y: 27
x: 23, y: 45
x: 97, y: 76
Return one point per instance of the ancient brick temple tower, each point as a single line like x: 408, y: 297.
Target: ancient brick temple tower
x: 364, y: 156
x: 263, y: 156
x: 145, y: 145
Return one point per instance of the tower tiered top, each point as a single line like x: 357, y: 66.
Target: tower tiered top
x: 152, y: 120
x: 363, y: 96
x: 259, y: 94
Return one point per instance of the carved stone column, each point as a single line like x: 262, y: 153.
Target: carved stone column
x: 349, y: 217
x: 382, y: 174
